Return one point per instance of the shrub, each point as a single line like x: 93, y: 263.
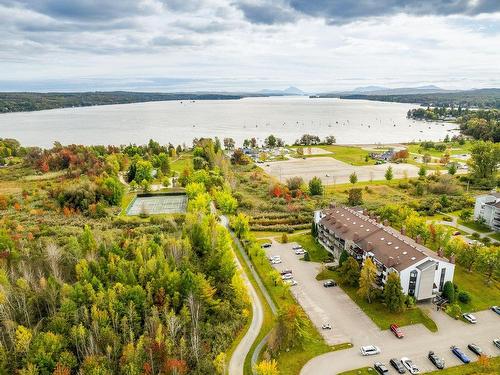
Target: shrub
x: 464, y: 297
x: 284, y: 238
x: 449, y: 291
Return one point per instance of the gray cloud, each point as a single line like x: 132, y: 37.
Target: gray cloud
x: 267, y: 13
x: 83, y: 10
x: 344, y: 11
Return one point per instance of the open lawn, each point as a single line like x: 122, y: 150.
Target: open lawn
x: 483, y: 295
x: 349, y: 154
x: 181, y: 162
x: 481, y: 228
x: 495, y: 236
x: 380, y: 315
x: 360, y: 371
x: 317, y: 253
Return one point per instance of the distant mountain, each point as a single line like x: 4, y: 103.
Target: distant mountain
x: 292, y: 90
x: 380, y: 90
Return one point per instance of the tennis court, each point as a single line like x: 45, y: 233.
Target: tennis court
x: 154, y: 204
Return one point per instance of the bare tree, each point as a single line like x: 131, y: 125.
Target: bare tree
x: 194, y: 307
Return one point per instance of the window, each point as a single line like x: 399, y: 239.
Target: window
x: 413, y: 283
x: 441, y: 281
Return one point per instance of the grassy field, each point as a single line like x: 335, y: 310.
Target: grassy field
x: 349, y: 154
x: 481, y: 228
x: 182, y: 162
x: 495, y: 236
x: 382, y: 317
x: 317, y: 253
x: 483, y: 295
x: 127, y: 198
x: 359, y: 371
x: 453, y: 149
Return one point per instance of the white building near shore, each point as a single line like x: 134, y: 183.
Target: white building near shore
x: 488, y: 207
x: 421, y: 271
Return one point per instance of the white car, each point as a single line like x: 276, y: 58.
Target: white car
x: 369, y: 350
x: 274, y: 257
x: 326, y: 326
x: 287, y: 276
x: 410, y: 366
x: 470, y: 318
x: 276, y: 261
x: 291, y: 282
x: 300, y: 252
x: 296, y: 247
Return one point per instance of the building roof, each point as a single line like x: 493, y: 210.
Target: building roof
x: 388, y: 245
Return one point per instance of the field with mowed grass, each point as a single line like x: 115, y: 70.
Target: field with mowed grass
x: 317, y: 253
x: 379, y: 313
x: 483, y: 294
x: 181, y: 162
x: 349, y: 154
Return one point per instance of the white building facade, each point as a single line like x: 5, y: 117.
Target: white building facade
x: 488, y: 207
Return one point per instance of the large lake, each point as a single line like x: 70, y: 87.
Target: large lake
x: 350, y: 121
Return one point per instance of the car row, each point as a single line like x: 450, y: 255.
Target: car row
x: 406, y: 364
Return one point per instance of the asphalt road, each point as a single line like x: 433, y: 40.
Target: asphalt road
x: 350, y: 324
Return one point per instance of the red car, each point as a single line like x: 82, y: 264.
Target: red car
x: 397, y: 331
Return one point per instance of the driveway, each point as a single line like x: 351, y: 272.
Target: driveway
x: 338, y: 171
x: 350, y: 324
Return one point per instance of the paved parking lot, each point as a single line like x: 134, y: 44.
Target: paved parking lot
x: 350, y: 324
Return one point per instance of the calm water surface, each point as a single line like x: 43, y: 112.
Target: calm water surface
x: 350, y: 121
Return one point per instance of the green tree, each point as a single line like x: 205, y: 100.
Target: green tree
x: 449, y: 291
x: 367, y: 279
x: 241, y: 225
x: 393, y: 293
x: 143, y: 171
x: 355, y: 197
x: 349, y: 272
x: 162, y: 162
x: 422, y: 171
x: 489, y: 261
x: 454, y: 310
x: 389, y: 174
x: 468, y: 256
x: 353, y: 178
x: 226, y: 202
x: 484, y: 159
x: 344, y: 255
x: 452, y: 169
x: 315, y: 186
x: 114, y: 190
x: 466, y: 214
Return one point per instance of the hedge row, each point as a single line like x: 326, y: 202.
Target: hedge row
x: 280, y: 227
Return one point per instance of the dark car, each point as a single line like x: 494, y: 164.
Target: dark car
x: 329, y: 283
x: 496, y: 309
x: 460, y: 354
x: 380, y: 368
x: 266, y: 245
x: 475, y: 349
x: 397, y: 365
x: 436, y: 361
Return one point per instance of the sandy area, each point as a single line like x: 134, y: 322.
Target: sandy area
x: 332, y: 171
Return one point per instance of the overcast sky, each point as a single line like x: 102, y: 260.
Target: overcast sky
x: 188, y: 45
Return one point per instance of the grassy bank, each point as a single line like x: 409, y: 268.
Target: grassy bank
x: 268, y: 315
x: 379, y: 313
x: 483, y: 295
x: 317, y: 253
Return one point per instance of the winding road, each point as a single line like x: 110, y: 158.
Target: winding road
x: 237, y: 361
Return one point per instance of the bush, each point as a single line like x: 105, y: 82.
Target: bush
x: 449, y: 291
x: 307, y: 257
x: 284, y: 238
x: 464, y: 297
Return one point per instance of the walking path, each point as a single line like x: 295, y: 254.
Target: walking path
x: 237, y: 361
x: 454, y: 223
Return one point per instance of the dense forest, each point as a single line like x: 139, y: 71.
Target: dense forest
x: 31, y: 101
x: 483, y: 98
x: 87, y: 290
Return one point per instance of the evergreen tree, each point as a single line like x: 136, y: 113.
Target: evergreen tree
x: 349, y: 272
x: 393, y: 293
